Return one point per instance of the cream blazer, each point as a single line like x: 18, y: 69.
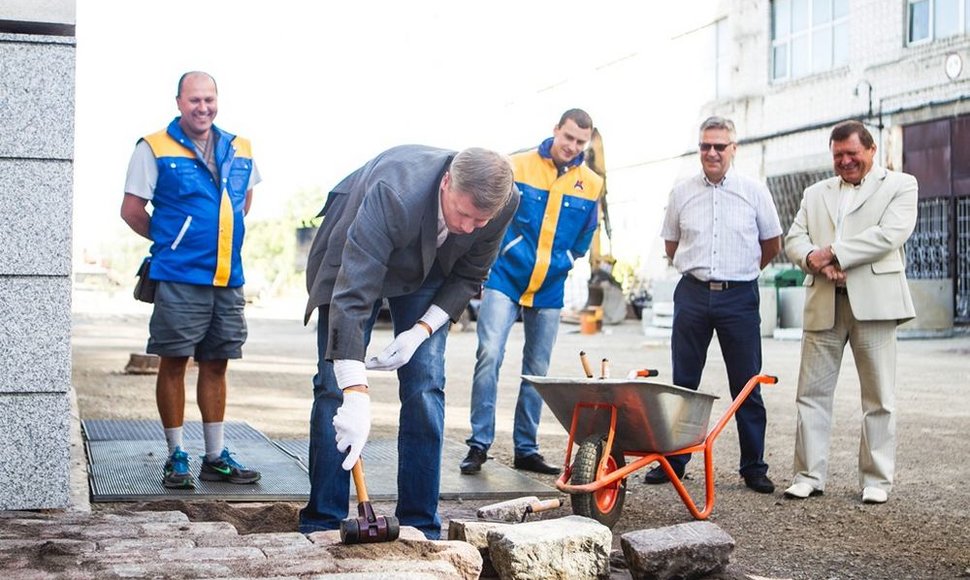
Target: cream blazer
x: 875, y: 227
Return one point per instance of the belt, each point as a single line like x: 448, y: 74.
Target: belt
x: 842, y: 290
x: 717, y: 285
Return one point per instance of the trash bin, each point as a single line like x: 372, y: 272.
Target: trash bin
x: 789, y: 277
x: 791, y: 297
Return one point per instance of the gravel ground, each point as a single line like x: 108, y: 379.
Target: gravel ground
x: 922, y: 532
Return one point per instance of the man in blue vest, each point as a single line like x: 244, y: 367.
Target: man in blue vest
x: 199, y: 180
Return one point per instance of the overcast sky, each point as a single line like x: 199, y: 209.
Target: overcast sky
x: 320, y: 87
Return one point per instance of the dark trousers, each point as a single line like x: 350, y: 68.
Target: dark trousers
x: 735, y: 315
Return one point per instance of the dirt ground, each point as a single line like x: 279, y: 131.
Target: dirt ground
x: 922, y: 532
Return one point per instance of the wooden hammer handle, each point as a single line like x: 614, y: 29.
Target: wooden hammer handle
x: 358, y: 472
x: 541, y: 506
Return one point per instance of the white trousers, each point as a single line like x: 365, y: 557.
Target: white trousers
x: 873, y: 346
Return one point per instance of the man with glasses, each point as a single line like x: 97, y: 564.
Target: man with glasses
x: 720, y: 230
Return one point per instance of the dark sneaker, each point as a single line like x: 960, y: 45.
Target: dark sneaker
x: 536, y: 463
x: 227, y: 469
x: 177, y: 474
x: 472, y: 463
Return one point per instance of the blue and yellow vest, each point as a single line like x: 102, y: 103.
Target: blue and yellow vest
x: 197, y: 218
x: 553, y: 226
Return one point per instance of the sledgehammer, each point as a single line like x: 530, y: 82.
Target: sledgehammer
x: 516, y: 510
x: 367, y: 528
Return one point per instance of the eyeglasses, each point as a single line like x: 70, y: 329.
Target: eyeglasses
x: 719, y: 147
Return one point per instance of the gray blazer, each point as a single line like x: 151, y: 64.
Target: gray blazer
x: 377, y: 240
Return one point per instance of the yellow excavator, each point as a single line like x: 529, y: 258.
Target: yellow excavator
x: 596, y: 160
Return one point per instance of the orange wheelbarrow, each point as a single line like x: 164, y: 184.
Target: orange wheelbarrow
x: 614, y: 418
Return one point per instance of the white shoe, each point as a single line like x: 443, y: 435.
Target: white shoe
x: 874, y: 495
x: 801, y: 491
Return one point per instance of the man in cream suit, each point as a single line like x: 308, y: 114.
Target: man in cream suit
x: 848, y: 237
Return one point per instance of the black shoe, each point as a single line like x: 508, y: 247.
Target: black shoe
x: 472, y: 463
x: 759, y: 483
x: 657, y: 475
x: 536, y: 463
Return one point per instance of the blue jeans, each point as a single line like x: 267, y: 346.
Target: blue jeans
x: 420, y: 431
x: 495, y: 318
x: 735, y: 315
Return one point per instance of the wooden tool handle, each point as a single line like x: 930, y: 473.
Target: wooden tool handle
x: 585, y: 360
x: 548, y: 504
x: 358, y: 472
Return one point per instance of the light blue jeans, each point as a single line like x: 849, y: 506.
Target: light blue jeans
x: 420, y: 431
x: 495, y: 318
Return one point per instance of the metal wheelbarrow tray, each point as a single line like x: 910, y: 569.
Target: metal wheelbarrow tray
x: 613, y: 418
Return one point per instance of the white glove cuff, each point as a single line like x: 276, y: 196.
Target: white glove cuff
x: 435, y: 317
x: 349, y: 372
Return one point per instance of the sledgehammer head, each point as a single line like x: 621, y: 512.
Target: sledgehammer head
x: 368, y: 528
x: 515, y: 510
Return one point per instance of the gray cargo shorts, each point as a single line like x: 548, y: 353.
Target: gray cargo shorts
x: 204, y: 322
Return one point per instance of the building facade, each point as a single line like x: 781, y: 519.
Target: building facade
x: 797, y: 67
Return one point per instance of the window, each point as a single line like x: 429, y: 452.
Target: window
x: 930, y: 20
x: 808, y: 36
x: 722, y: 55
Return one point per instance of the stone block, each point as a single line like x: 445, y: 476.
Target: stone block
x: 37, y: 112
x: 191, y: 530
x: 476, y: 533
x: 35, y: 431
x: 412, y: 553
x: 262, y: 541
x: 56, y: 11
x: 933, y: 301
x: 683, y: 551
x: 126, y: 545
x: 35, y: 341
x: 573, y: 547
x: 35, y: 216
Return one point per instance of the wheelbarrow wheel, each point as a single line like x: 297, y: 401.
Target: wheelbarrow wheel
x: 606, y: 504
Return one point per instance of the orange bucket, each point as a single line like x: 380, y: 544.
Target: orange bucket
x: 588, y: 322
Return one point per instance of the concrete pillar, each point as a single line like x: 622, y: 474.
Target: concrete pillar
x: 37, y: 54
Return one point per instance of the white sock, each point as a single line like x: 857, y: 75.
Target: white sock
x: 214, y: 440
x: 173, y: 437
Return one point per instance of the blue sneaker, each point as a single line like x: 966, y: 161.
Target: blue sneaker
x: 227, y: 469
x: 177, y: 474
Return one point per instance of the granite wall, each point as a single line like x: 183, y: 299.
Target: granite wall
x: 37, y: 54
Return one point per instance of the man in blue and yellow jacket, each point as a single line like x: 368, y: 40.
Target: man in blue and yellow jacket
x: 553, y: 226
x: 199, y: 180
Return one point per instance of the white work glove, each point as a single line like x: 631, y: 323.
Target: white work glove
x: 399, y: 352
x: 352, y: 423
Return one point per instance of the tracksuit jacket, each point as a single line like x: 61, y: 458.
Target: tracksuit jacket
x: 553, y: 226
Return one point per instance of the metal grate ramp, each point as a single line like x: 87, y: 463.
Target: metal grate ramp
x: 496, y: 481
x: 126, y: 457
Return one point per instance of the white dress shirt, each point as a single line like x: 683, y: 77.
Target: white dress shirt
x: 718, y: 227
